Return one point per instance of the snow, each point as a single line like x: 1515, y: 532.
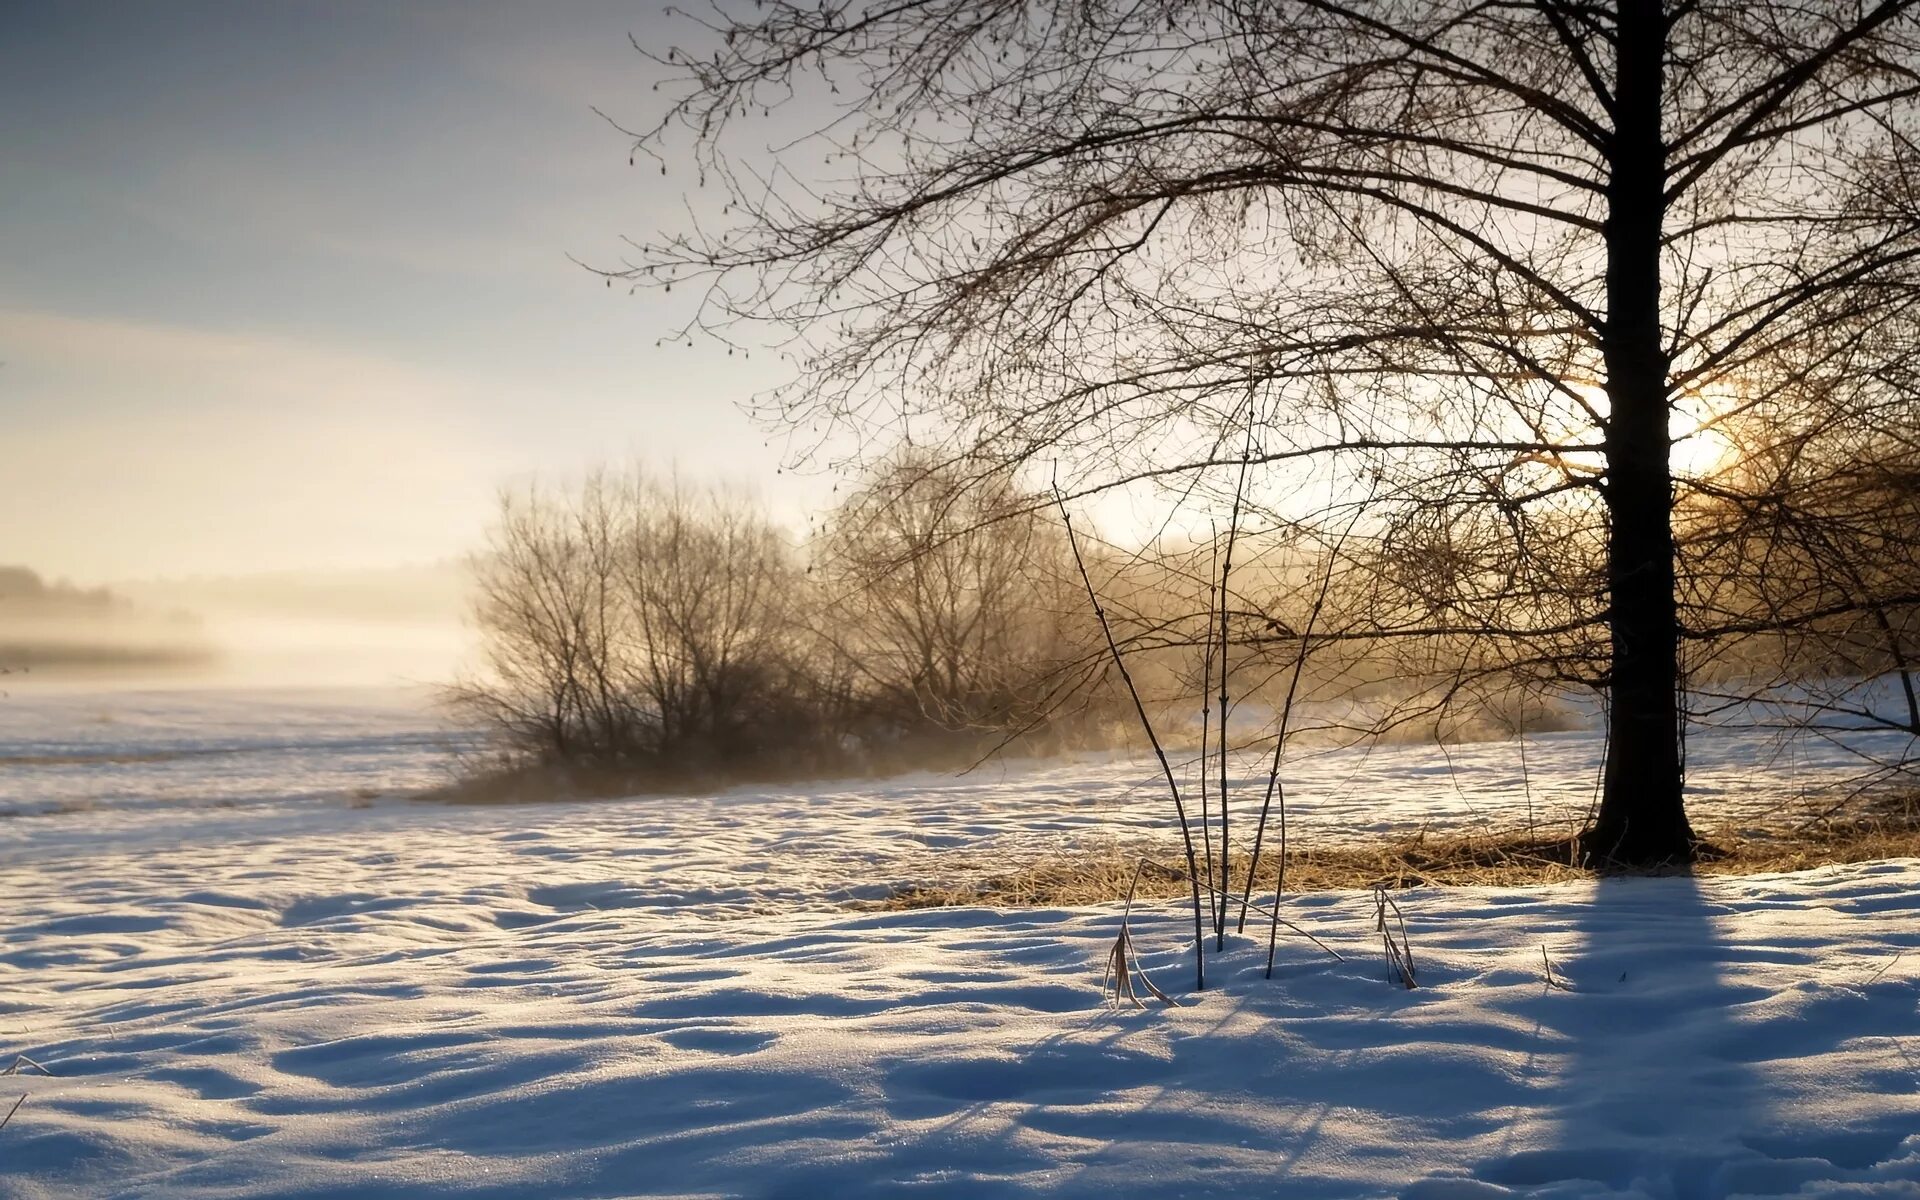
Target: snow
x: 70, y: 748
x: 298, y: 992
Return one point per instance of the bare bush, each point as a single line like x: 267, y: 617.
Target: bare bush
x: 649, y: 631
x: 633, y: 623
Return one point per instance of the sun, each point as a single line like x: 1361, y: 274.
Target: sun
x: 1697, y: 426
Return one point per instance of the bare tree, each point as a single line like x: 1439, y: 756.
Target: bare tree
x: 947, y: 600
x: 551, y: 619
x: 1483, y: 264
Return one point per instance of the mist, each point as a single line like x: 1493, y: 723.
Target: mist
x: 388, y: 628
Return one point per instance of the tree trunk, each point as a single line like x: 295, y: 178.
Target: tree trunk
x: 1642, y: 819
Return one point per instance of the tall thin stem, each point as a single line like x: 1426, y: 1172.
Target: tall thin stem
x: 1274, y: 787
x: 1226, y: 574
x: 1206, y: 726
x: 1146, y: 723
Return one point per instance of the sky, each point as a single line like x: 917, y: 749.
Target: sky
x: 286, y: 286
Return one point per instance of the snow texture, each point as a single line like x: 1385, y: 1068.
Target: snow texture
x: 295, y: 996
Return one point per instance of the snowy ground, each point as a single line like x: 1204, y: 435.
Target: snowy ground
x: 215, y: 748
x: 302, y: 991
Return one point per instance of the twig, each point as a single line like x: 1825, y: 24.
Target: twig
x: 1547, y: 965
x: 1120, y: 964
x: 21, y: 1060
x: 1399, y: 954
x: 1885, y: 967
x: 1114, y: 981
x: 1146, y: 723
x: 11, y: 1111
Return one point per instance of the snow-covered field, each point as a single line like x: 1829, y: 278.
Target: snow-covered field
x: 255, y: 969
x: 72, y: 748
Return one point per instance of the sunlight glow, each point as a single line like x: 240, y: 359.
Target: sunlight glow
x: 1696, y: 426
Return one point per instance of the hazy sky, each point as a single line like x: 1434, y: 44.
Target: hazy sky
x: 285, y: 284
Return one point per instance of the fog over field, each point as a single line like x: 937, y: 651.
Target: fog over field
x: 375, y: 628
x: 401, y: 625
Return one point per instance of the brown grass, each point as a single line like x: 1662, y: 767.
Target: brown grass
x: 1884, y: 827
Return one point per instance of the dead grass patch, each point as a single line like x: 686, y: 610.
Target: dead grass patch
x: 1878, y: 828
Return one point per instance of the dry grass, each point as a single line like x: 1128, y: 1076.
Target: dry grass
x: 1883, y: 827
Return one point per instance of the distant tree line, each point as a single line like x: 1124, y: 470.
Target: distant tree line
x: 23, y: 591
x: 59, y: 627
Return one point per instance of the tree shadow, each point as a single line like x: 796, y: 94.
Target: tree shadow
x: 1673, y: 1058
x: 1618, y: 1107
